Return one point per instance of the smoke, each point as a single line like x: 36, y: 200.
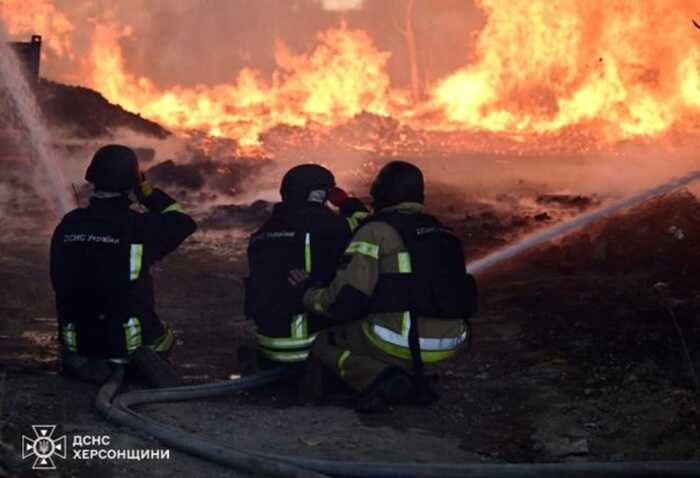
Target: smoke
x: 289, y: 80
x: 209, y: 41
x: 341, y: 5
x: 41, y: 16
x: 20, y: 108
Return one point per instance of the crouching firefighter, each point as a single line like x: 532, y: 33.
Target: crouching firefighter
x: 100, y: 260
x: 302, y: 233
x: 401, y: 300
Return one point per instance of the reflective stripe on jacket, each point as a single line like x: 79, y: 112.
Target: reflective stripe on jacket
x: 375, y: 249
x: 101, y: 257
x: 306, y: 236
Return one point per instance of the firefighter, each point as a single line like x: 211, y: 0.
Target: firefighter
x: 401, y: 300
x: 301, y: 233
x: 101, y: 257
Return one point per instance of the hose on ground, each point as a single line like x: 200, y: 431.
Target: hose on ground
x: 118, y: 409
x: 114, y: 411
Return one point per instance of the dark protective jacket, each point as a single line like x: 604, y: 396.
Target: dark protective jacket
x: 299, y: 235
x: 402, y: 266
x: 100, y: 270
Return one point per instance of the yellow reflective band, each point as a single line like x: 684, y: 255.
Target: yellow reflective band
x: 133, y: 335
x: 364, y: 248
x: 307, y: 252
x: 405, y: 324
x: 285, y: 356
x: 174, y: 207
x: 352, y: 223
x: 70, y: 337
x: 430, y: 356
x: 284, y: 342
x: 405, y: 263
x: 300, y: 329
x: 164, y: 342
x: 135, y: 260
x: 341, y: 362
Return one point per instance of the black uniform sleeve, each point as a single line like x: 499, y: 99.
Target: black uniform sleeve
x: 352, y: 206
x: 166, y: 225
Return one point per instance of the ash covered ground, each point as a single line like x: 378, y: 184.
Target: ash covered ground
x: 575, y: 355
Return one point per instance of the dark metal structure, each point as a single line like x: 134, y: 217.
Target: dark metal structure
x: 29, y: 54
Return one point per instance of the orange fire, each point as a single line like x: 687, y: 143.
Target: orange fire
x: 624, y: 68
x: 343, y: 76
x: 612, y: 71
x: 23, y: 18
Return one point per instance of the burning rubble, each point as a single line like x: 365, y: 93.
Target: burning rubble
x: 535, y: 76
x: 82, y: 113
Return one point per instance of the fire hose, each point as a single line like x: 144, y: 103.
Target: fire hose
x: 577, y: 222
x: 118, y: 409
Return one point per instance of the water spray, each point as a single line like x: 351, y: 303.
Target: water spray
x: 562, y: 229
x: 24, y: 104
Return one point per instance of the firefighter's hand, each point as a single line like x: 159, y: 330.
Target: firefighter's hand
x: 337, y: 196
x: 298, y: 277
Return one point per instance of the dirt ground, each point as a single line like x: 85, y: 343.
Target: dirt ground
x: 568, y: 363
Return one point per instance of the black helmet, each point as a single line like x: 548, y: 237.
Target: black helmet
x: 114, y: 168
x: 301, y: 181
x: 397, y: 182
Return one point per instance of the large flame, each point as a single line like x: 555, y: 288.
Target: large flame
x: 343, y: 76
x: 630, y: 68
x: 611, y: 70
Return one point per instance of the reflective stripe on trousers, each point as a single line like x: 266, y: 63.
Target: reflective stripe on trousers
x: 133, y: 334
x: 161, y: 345
x: 341, y: 362
x: 284, y: 342
x: 70, y: 337
x: 432, y: 349
x: 286, y: 356
x: 294, y: 348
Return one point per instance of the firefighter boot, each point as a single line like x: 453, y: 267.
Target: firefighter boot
x: 311, y: 385
x: 84, y: 368
x: 392, y: 386
x: 153, y: 367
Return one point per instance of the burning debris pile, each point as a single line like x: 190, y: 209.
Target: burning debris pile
x: 382, y: 135
x: 84, y: 113
x: 205, y: 178
x: 374, y: 133
x: 569, y: 77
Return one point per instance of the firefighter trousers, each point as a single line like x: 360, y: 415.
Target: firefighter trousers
x: 97, y: 370
x: 347, y: 352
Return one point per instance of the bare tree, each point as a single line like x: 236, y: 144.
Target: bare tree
x: 409, y: 34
